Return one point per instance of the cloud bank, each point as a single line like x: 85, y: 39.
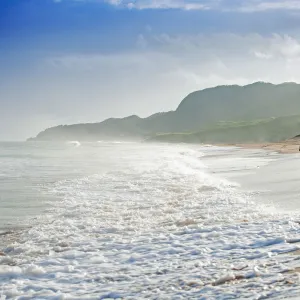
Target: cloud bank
x: 230, y: 57
x: 225, y: 5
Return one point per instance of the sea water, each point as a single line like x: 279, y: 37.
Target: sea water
x: 137, y: 220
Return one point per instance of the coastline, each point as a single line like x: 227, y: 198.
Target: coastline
x: 284, y: 147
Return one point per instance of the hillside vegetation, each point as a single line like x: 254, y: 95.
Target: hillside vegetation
x: 265, y: 130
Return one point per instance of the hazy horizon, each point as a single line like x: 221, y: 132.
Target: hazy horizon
x: 69, y: 61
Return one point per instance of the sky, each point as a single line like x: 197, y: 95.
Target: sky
x: 81, y: 61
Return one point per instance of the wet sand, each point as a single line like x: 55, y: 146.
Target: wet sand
x: 288, y: 146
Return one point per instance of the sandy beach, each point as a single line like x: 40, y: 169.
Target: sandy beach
x: 288, y: 146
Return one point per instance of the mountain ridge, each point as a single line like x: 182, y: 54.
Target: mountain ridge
x: 198, y: 109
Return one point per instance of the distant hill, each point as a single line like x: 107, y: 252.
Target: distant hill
x: 198, y: 110
x: 258, y: 131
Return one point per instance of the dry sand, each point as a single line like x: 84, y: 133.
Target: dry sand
x: 288, y: 146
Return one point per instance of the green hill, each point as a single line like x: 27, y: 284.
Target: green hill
x: 264, y: 130
x: 197, y: 111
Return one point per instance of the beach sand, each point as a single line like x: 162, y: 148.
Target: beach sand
x: 288, y: 146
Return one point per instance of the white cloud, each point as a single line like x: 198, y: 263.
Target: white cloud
x: 162, y: 4
x: 271, y: 5
x: 262, y: 55
x: 226, y: 5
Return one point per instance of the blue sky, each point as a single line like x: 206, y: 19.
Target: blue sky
x: 72, y: 61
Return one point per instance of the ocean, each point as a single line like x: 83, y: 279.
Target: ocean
x: 113, y: 220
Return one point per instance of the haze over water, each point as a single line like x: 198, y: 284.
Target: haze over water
x: 133, y: 220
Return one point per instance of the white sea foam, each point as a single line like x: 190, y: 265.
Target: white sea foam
x: 74, y: 143
x: 147, y: 221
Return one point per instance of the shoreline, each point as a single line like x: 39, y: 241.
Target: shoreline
x: 284, y: 147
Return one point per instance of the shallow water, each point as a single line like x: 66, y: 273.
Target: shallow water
x: 132, y: 221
